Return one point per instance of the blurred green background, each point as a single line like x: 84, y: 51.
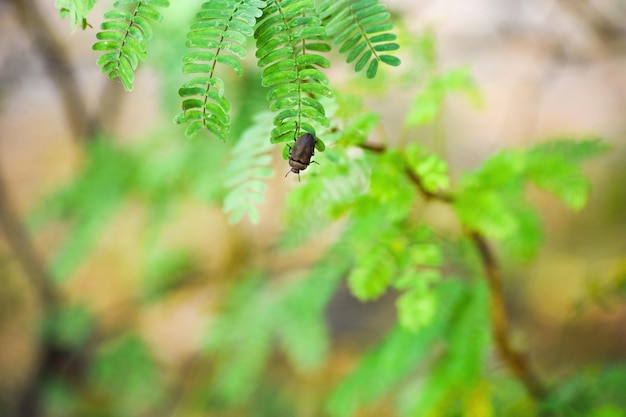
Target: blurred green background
x: 129, y: 223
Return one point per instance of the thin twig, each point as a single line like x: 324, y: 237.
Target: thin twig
x: 431, y: 195
x: 439, y: 195
x: 24, y: 250
x: 514, y: 360
x: 57, y: 66
x: 607, y: 26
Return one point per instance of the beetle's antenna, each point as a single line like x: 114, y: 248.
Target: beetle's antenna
x: 292, y: 171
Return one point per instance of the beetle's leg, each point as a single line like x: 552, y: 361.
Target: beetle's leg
x: 295, y: 132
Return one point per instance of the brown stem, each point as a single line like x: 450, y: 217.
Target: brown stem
x: 24, y: 250
x: 607, y: 27
x: 439, y: 195
x: 83, y: 127
x: 27, y: 402
x: 57, y: 66
x: 514, y: 360
x: 431, y: 195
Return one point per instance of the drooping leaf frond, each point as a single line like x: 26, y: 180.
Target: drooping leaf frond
x: 240, y: 339
x: 124, y: 37
x: 362, y: 28
x: 248, y: 171
x: 285, y: 35
x: 258, y: 313
x: 218, y: 35
x: 301, y: 329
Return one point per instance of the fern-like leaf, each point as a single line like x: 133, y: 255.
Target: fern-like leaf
x: 247, y: 171
x: 218, y: 35
x: 362, y: 28
x: 287, y: 32
x: 124, y: 37
x: 301, y: 327
x: 456, y: 373
x: 240, y: 339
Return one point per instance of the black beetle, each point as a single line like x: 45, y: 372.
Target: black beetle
x: 301, y: 154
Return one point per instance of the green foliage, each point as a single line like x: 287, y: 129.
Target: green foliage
x: 369, y: 196
x: 285, y: 36
x: 392, y: 255
x: 69, y: 327
x: 135, y: 390
x: 165, y: 270
x: 363, y: 30
x: 460, y: 326
x: 76, y: 10
x: 379, y: 370
x: 240, y: 341
x: 432, y: 170
x: 302, y: 331
x: 247, y: 172
x: 88, y: 203
x: 417, y: 305
x: 491, y: 198
x: 256, y: 314
x: 486, y: 197
x: 323, y: 198
x: 124, y: 37
x: 427, y: 103
x: 390, y: 249
x: 59, y: 398
x: 217, y: 36
x: 328, y: 195
x: 555, y: 167
x: 454, y: 375
x: 387, y: 250
x: 289, y: 34
x: 153, y: 171
x: 594, y: 391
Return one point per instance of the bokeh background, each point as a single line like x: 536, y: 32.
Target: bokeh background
x: 544, y: 68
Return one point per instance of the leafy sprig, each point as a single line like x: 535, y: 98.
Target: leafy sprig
x: 363, y: 30
x: 248, y: 171
x: 124, y: 37
x: 76, y: 10
x: 217, y: 36
x: 287, y: 33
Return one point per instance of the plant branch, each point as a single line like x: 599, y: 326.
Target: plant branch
x: 514, y: 360
x: 439, y: 195
x: 57, y: 66
x: 24, y: 250
x: 606, y: 25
